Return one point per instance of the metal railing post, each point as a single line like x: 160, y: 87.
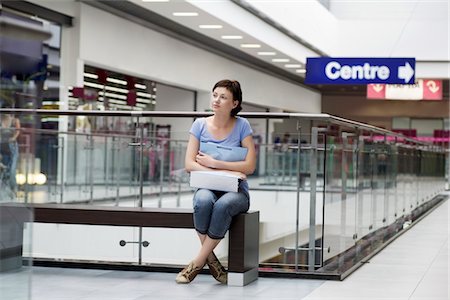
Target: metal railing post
x: 297, y: 208
x: 61, y: 147
x: 312, y: 200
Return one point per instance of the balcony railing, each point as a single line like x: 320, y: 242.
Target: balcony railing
x: 330, y: 195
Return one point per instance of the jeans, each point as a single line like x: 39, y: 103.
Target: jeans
x: 9, y: 159
x: 14, y: 148
x: 214, y: 210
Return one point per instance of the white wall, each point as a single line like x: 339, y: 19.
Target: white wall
x: 174, y: 99
x: 114, y: 43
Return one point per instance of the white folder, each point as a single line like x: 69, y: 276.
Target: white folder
x: 215, y: 180
x: 224, y: 153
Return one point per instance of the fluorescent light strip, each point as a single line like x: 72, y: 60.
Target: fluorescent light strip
x: 185, y: 14
x: 50, y: 102
x: 144, y: 100
x: 292, y: 66
x: 300, y: 71
x: 210, y: 26
x: 115, y: 80
x: 280, y: 59
x: 143, y: 94
x: 140, y: 86
x: 232, y: 37
x: 250, y: 46
x: 116, y: 101
x: 113, y: 95
x: 267, y: 53
x: 109, y: 88
x: 89, y: 75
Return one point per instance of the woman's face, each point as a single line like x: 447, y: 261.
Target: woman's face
x: 222, y: 100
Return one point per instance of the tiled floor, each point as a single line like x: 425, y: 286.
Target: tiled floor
x: 414, y: 267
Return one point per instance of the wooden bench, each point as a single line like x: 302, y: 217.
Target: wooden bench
x: 243, y: 248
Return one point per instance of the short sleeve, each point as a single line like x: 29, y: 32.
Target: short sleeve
x: 196, y: 128
x: 246, y: 129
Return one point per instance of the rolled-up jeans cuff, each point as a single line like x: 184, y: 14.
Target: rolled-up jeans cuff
x: 201, y: 232
x: 215, y: 237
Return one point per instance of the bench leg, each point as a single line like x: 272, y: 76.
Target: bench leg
x: 242, y: 279
x: 243, y: 251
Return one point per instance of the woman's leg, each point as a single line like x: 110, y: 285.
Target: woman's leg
x: 202, y: 237
x: 203, y: 205
x: 208, y: 245
x: 14, y: 157
x: 212, y: 219
x: 225, y: 208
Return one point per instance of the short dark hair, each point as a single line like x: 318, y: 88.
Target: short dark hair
x: 235, y: 88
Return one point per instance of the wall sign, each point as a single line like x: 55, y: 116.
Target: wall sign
x: 354, y: 71
x: 422, y: 89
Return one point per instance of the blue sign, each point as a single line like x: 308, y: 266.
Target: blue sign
x: 332, y: 70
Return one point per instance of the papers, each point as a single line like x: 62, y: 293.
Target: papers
x: 215, y: 180
x: 224, y: 153
x: 218, y: 180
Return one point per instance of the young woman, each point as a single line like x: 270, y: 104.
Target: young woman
x: 214, y: 210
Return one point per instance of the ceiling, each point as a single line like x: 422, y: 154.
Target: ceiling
x: 224, y: 32
x: 198, y: 16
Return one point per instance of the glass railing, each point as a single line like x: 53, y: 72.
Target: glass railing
x: 329, y: 196
x: 15, y: 216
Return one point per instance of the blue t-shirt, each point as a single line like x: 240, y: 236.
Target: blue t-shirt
x: 241, y: 130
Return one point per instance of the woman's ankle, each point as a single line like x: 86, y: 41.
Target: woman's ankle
x: 198, y: 263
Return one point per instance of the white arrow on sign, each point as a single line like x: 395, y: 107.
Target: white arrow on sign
x: 432, y: 86
x: 405, y: 72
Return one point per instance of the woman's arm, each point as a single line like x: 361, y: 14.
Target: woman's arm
x: 16, y: 123
x: 190, y: 162
x: 246, y: 166
x: 194, y: 161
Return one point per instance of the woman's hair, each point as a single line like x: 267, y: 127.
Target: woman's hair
x: 235, y: 88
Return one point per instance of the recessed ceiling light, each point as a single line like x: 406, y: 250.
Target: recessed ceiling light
x: 292, y: 66
x: 300, y: 71
x: 267, y: 53
x: 185, y: 14
x: 210, y: 26
x: 280, y: 59
x: 250, y: 45
x: 231, y: 37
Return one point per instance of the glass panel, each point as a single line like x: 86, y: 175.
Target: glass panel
x: 282, y: 249
x: 340, y: 198
x: 15, y: 241
x: 361, y: 183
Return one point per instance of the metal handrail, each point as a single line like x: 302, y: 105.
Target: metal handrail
x: 184, y: 114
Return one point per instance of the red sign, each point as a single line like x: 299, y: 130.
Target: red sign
x: 376, y: 91
x: 131, y: 98
x: 424, y: 89
x: 432, y: 89
x: 102, y: 76
x: 84, y: 93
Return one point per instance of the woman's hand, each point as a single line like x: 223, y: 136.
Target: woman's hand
x: 205, y: 160
x: 239, y: 174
